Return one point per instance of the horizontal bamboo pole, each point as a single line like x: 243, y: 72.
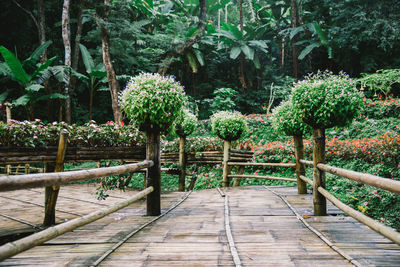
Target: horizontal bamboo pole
x: 241, y: 151
x: 261, y: 177
x: 12, y: 248
x: 9, y: 183
x: 307, y: 162
x: 307, y: 180
x: 371, y: 223
x: 289, y: 165
x: 383, y: 183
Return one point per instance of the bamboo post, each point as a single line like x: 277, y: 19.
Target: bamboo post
x: 51, y: 192
x: 153, y: 174
x: 226, y: 168
x: 182, y: 163
x: 239, y: 180
x: 319, y: 200
x: 12, y: 248
x: 27, y: 169
x: 300, y: 169
x: 8, y: 116
x: 8, y: 112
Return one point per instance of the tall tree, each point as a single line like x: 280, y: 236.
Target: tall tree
x: 242, y: 60
x: 67, y: 61
x: 78, y: 36
x: 201, y: 27
x: 295, y: 18
x: 111, y: 76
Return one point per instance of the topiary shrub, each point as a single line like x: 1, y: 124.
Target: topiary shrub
x: 185, y: 124
x: 228, y: 126
x: 152, y: 101
x: 286, y: 120
x: 324, y: 100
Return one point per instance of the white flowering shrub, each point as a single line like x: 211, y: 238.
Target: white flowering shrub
x: 185, y: 124
x: 324, y: 100
x: 152, y: 101
x: 286, y: 120
x: 228, y: 125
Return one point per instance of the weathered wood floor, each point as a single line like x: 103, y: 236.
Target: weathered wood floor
x: 264, y: 229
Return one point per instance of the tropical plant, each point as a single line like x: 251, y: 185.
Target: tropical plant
x: 16, y: 70
x: 223, y: 100
x: 152, y: 101
x: 324, y: 100
x: 246, y: 43
x: 96, y: 75
x: 285, y: 120
x: 185, y: 124
x: 229, y: 126
x: 380, y: 82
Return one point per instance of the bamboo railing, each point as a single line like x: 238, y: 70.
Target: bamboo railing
x: 379, y: 182
x: 56, y: 179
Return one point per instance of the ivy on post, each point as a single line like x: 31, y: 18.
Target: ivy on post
x: 324, y: 100
x: 229, y: 126
x: 152, y: 102
x: 51, y: 192
x: 184, y: 125
x: 285, y: 120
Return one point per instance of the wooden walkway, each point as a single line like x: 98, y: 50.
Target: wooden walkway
x: 265, y: 231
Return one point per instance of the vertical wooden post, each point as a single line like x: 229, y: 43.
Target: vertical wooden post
x: 226, y: 168
x: 300, y: 169
x: 8, y: 115
x: 51, y: 192
x: 182, y: 163
x: 319, y: 176
x: 153, y: 174
x: 239, y: 180
x: 27, y: 169
x: 8, y: 112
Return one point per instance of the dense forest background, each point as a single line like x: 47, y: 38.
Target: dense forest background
x: 238, y: 53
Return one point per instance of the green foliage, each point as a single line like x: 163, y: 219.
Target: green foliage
x: 380, y: 82
x: 223, y: 100
x: 152, y: 101
x: 38, y: 134
x: 185, y: 124
x: 229, y: 126
x: 324, y: 100
x: 389, y: 108
x: 16, y: 71
x: 287, y: 121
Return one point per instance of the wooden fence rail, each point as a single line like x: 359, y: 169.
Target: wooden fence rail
x: 12, y: 248
x: 16, y: 182
x: 383, y: 183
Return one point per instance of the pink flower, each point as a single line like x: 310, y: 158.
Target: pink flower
x: 34, y: 137
x: 382, y: 219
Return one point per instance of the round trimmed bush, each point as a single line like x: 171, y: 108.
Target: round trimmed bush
x: 228, y: 125
x: 324, y: 100
x: 185, y: 124
x: 152, y: 101
x: 285, y: 120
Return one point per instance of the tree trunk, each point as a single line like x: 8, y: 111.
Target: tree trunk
x: 111, y: 76
x: 67, y: 62
x: 189, y: 42
x: 242, y: 77
x: 43, y: 58
x: 75, y: 54
x: 295, y: 16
